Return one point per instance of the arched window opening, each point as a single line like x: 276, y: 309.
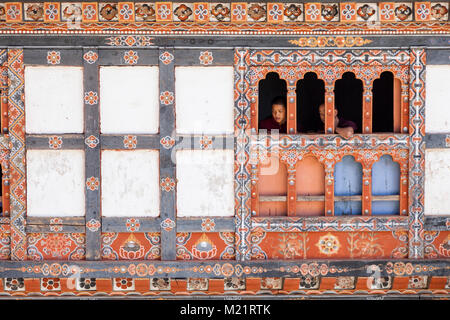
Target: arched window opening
x: 272, y: 188
x: 348, y: 99
x: 310, y: 187
x: 385, y: 187
x: 268, y: 89
x: 310, y: 95
x: 347, y: 187
x: 386, y: 105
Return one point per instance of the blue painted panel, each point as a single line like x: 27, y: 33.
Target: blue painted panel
x: 385, y: 181
x: 346, y: 208
x: 347, y: 182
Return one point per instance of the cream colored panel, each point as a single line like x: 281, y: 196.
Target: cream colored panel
x: 130, y: 183
x: 204, y: 100
x: 437, y: 105
x: 437, y: 181
x: 55, y: 183
x: 129, y: 99
x: 54, y: 99
x: 205, y: 184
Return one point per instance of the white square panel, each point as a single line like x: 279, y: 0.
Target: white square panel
x: 129, y: 99
x: 130, y: 183
x: 204, y: 100
x: 437, y: 87
x: 54, y: 99
x: 205, y: 183
x: 437, y: 181
x: 55, y: 183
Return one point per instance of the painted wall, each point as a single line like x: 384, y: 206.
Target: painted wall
x: 437, y: 181
x: 437, y: 86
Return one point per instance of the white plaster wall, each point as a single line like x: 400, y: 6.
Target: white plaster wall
x: 205, y: 184
x: 437, y: 106
x: 55, y: 183
x: 204, y: 100
x: 129, y: 99
x: 54, y: 99
x: 130, y: 183
x: 437, y: 182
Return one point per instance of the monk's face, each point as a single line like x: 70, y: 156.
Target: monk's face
x: 322, y: 113
x: 279, y: 113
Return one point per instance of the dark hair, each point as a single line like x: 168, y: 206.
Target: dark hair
x: 279, y: 100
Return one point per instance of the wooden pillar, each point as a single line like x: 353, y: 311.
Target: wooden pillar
x: 404, y: 188
x: 367, y: 189
x: 329, y: 188
x: 255, y: 192
x: 329, y: 108
x: 367, y: 107
x: 291, y: 191
x: 4, y: 99
x: 291, y: 108
x: 254, y: 106
x: 404, y: 108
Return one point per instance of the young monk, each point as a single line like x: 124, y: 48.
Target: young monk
x: 278, y: 118
x: 345, y: 128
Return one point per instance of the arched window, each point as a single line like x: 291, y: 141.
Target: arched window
x: 347, y: 187
x: 310, y: 94
x: 272, y: 188
x: 385, y: 186
x: 269, y: 88
x: 386, y: 105
x: 310, y: 186
x: 348, y: 99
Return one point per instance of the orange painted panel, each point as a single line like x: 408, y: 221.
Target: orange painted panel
x: 333, y: 245
x: 131, y: 246
x: 272, y: 182
x: 205, y: 246
x: 310, y: 181
x: 56, y: 246
x: 437, y: 244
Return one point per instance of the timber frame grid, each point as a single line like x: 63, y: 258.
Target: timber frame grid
x: 14, y: 59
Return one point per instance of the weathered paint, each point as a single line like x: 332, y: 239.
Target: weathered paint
x: 55, y: 183
x: 129, y: 99
x: 310, y: 181
x: 347, y: 182
x: 130, y: 183
x: 204, y: 100
x: 53, y: 99
x: 205, y: 183
x: 437, y: 118
x: 437, y: 182
x: 273, y: 182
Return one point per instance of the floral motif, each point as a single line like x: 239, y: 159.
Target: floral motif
x: 200, y: 12
x: 206, y: 58
x: 51, y: 11
x: 309, y: 282
x: 275, y: 12
x: 204, y: 248
x: 131, y: 249
x: 91, y: 98
x: 343, y: 283
x: 365, y: 12
x: 292, y: 12
x: 130, y: 57
x: 271, y: 283
x: 183, y: 12
x: 14, y: 284
x: 145, y: 12
x: 220, y: 12
x: 239, y: 12
x: 387, y: 11
x: 166, y: 98
x: 90, y: 57
x: 167, y: 142
x: 133, y: 225
x: 91, y: 141
x: 123, y: 284
x: 85, y: 284
x: 313, y: 12
x: 109, y: 11
x: 423, y: 11
x: 53, y: 57
x: 164, y: 12
x: 13, y: 12
x: 418, y: 282
x: 348, y: 12
x: 50, y: 284
x: 35, y: 11
x: 89, y: 12
x: 205, y: 142
x: 168, y: 224
x: 55, y: 142
x: 328, y: 244
x: 199, y: 284
x: 166, y: 57
x: 92, y: 183
x: 167, y: 184
x: 234, y: 284
x: 208, y: 225
x: 125, y: 13
x: 159, y: 284
x: 56, y: 228
x: 93, y: 225
x: 130, y: 142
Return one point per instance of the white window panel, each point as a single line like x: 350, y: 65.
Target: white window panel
x: 437, y: 87
x: 437, y: 181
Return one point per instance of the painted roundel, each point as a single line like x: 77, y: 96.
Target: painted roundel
x: 328, y: 244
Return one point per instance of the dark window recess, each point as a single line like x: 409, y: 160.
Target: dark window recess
x: 310, y: 95
x: 348, y: 99
x: 269, y: 88
x: 386, y: 100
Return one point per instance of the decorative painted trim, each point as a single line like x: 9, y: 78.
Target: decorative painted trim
x: 319, y: 42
